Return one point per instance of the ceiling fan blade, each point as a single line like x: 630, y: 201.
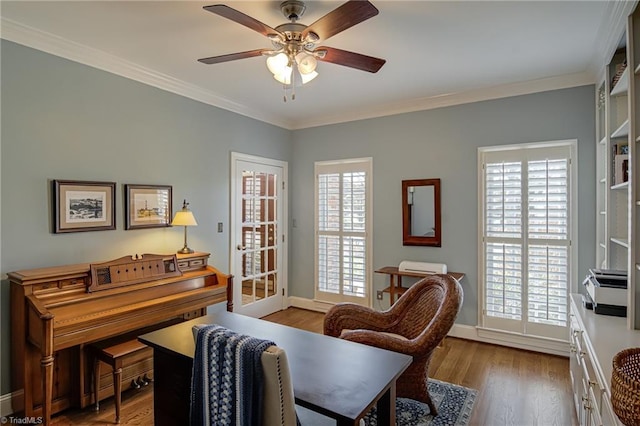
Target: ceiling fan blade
x: 242, y: 19
x: 231, y: 56
x: 343, y: 17
x: 349, y: 59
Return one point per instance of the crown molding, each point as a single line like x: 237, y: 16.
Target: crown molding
x: 609, y: 34
x: 50, y: 43
x: 58, y: 46
x: 451, y: 99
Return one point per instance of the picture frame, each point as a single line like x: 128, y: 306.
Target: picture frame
x: 147, y: 206
x: 80, y: 206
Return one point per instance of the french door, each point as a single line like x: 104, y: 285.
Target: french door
x: 258, y: 240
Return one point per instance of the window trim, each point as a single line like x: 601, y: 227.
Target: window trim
x: 573, y: 245
x: 342, y: 165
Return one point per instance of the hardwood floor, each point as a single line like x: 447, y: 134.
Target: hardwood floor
x: 515, y: 387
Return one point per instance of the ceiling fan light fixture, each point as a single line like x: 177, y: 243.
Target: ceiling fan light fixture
x: 284, y: 76
x: 278, y: 63
x: 293, y: 59
x: 306, y: 63
x: 312, y: 37
x: 308, y: 77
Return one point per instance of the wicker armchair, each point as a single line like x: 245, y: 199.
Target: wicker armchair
x: 414, y: 325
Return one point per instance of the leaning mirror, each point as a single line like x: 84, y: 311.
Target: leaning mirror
x: 421, y: 212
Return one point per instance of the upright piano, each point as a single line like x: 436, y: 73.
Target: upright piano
x: 57, y: 312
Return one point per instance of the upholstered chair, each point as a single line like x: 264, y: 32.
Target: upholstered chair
x: 415, y: 325
x: 278, y: 401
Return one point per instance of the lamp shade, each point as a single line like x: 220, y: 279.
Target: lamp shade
x: 184, y: 218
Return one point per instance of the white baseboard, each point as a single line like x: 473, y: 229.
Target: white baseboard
x: 469, y: 332
x: 512, y: 340
x: 6, y: 408
x: 310, y: 304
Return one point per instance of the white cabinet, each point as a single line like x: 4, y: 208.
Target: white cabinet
x: 594, y: 340
x: 588, y: 389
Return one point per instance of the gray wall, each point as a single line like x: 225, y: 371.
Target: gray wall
x: 440, y: 143
x: 62, y: 120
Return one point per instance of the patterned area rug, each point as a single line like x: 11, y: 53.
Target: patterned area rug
x: 454, y: 404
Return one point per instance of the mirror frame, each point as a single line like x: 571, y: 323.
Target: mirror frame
x: 416, y: 240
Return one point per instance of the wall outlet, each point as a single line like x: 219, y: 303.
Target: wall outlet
x: 379, y: 295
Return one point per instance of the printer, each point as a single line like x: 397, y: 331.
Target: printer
x: 607, y: 289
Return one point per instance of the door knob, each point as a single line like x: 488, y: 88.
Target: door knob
x: 240, y: 247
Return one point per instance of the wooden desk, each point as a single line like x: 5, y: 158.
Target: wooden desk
x: 394, y: 273
x: 334, y: 377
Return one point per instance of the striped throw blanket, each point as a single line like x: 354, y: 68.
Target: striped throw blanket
x: 227, y: 379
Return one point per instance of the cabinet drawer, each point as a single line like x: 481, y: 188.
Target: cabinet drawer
x: 45, y: 287
x: 71, y: 283
x: 192, y: 264
x: 196, y: 262
x: 591, y: 382
x: 594, y: 410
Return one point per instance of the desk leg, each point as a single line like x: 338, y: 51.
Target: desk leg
x: 171, y: 389
x: 392, y: 289
x: 386, y: 407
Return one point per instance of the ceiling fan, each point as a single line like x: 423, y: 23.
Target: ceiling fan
x: 294, y: 55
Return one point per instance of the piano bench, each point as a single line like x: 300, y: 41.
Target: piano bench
x: 115, y: 355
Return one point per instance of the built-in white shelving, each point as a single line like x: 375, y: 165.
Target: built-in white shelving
x: 622, y: 185
x: 622, y: 86
x: 622, y: 131
x: 623, y: 242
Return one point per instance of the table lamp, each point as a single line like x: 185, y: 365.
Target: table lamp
x: 184, y: 218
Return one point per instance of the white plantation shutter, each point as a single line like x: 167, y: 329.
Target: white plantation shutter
x: 548, y: 231
x: 526, y: 239
x: 342, y: 231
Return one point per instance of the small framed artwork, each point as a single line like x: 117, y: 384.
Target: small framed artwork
x: 147, y: 206
x: 83, y: 206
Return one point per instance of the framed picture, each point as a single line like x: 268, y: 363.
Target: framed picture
x: 83, y: 206
x: 147, y: 206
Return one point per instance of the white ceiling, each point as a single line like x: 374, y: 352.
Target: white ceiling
x: 437, y: 53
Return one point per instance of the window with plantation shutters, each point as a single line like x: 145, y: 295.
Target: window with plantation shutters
x: 343, y: 220
x: 526, y: 238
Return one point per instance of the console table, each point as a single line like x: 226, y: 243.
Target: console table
x: 395, y: 276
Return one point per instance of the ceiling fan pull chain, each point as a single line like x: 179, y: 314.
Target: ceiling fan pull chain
x: 293, y: 84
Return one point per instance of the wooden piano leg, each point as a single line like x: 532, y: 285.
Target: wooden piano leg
x: 117, y: 386
x: 96, y: 381
x: 46, y: 364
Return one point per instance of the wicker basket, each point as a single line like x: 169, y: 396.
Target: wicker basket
x: 625, y: 386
